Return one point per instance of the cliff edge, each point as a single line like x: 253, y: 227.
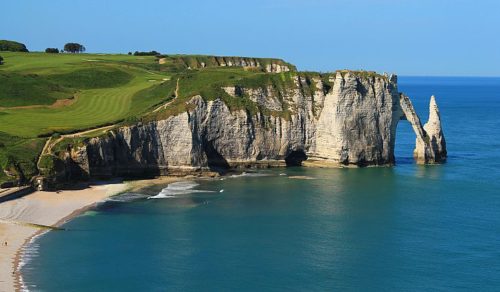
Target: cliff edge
x: 345, y: 118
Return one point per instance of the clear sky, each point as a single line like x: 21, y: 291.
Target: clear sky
x: 407, y: 37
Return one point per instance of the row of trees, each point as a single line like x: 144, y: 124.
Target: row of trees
x: 152, y: 53
x: 12, y: 46
x: 69, y: 48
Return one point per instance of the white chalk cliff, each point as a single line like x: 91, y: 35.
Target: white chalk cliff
x: 352, y: 122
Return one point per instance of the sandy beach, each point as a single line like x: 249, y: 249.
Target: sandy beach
x: 19, y: 218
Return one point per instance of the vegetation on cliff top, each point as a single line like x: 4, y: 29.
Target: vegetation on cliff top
x: 18, y: 156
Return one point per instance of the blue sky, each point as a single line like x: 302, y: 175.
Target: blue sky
x: 407, y: 37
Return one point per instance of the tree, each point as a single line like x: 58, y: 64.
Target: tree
x: 52, y: 50
x: 1, y: 60
x: 74, y: 48
x: 129, y: 53
x: 12, y: 46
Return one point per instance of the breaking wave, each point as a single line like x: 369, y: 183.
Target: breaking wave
x: 127, y: 197
x: 179, y: 188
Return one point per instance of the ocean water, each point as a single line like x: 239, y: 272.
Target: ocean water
x: 406, y: 228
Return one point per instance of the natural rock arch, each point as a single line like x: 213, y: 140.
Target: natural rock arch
x: 430, y: 144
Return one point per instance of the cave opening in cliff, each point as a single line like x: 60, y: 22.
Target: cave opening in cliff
x: 295, y: 158
x: 215, y: 161
x: 405, y: 143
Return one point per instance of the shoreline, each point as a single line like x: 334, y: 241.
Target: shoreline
x: 19, y: 217
x: 18, y: 277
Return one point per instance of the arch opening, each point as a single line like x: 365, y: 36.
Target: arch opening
x: 405, y: 143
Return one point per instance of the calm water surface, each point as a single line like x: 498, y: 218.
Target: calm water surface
x: 407, y: 228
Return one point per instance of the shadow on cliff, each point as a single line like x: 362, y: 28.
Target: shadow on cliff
x: 215, y: 161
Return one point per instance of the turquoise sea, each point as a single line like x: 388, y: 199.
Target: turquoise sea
x: 407, y: 228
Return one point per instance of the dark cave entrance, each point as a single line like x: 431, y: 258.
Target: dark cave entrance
x: 215, y: 160
x: 295, y: 158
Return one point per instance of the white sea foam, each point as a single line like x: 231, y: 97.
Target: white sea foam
x: 28, y: 253
x: 249, y: 174
x: 127, y: 197
x: 176, y: 189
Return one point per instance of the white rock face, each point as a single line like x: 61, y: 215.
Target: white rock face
x: 435, y: 132
x: 276, y: 68
x: 357, y: 124
x: 273, y: 67
x: 430, y: 145
x: 350, y: 122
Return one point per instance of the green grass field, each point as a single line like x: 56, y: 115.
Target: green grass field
x: 95, y: 90
x: 103, y: 87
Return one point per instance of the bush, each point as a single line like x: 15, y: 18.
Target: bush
x: 52, y: 50
x: 12, y: 46
x: 152, y: 53
x: 1, y: 60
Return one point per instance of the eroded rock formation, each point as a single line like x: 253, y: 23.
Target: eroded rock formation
x: 435, y: 132
x: 352, y: 122
x: 430, y: 145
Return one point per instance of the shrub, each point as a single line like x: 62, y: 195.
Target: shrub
x: 1, y: 60
x: 52, y: 50
x: 12, y: 46
x: 152, y: 53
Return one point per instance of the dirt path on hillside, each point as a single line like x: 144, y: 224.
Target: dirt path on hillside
x: 47, y: 148
x: 176, y: 94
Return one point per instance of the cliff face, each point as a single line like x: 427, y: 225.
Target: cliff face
x: 350, y: 122
x: 357, y: 124
x: 199, y: 62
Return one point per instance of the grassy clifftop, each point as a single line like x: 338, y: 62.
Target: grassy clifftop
x: 44, y: 93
